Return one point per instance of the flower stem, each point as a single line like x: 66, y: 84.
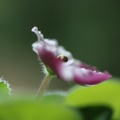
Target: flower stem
x: 43, y: 85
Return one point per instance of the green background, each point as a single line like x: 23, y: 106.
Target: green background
x: 90, y: 29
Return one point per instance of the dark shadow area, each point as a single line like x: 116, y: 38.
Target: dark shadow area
x: 96, y: 113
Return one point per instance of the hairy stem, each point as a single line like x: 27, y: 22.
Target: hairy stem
x: 43, y: 85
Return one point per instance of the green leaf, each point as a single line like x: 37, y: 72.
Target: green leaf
x: 4, y: 89
x: 36, y: 110
x: 106, y: 93
x: 56, y: 97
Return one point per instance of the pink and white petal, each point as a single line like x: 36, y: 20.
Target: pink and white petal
x: 50, y: 45
x: 89, y: 67
x: 87, y: 77
x: 36, y: 45
x: 62, y: 71
x: 67, y: 73
x: 84, y: 65
x: 51, y: 42
x: 71, y: 72
x: 50, y: 60
x: 82, y: 76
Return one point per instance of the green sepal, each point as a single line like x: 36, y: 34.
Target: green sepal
x: 50, y: 72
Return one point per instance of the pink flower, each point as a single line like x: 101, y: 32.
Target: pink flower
x: 59, y: 62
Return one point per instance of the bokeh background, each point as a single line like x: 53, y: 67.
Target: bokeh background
x: 90, y: 29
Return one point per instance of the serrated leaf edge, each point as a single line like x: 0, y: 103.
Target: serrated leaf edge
x: 8, y: 85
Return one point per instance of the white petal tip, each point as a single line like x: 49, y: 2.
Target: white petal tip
x: 38, y: 33
x: 34, y: 29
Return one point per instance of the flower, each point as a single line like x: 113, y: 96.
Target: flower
x: 59, y: 62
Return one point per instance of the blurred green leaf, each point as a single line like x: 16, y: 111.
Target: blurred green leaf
x: 4, y: 89
x: 36, y: 110
x: 56, y: 97
x: 106, y: 93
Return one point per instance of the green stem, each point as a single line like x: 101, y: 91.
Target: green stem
x: 43, y: 85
